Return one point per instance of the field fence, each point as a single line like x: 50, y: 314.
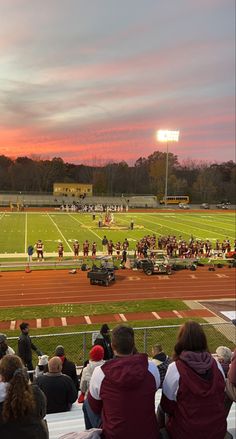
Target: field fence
x: 78, y: 344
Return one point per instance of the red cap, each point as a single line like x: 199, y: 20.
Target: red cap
x: 96, y: 353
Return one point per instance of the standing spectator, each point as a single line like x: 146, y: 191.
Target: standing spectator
x: 59, y: 389
x: 161, y: 360
x: 25, y: 346
x: 68, y: 367
x: 22, y: 405
x: 104, y: 244
x: 193, y: 389
x: 4, y: 348
x: 123, y: 391
x: 30, y: 252
x: 104, y: 340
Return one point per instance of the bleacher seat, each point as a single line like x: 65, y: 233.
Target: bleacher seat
x: 73, y: 421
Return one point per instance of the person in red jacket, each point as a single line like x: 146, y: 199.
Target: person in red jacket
x: 123, y: 391
x: 193, y: 390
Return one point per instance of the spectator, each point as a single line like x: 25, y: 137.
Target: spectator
x: 68, y: 367
x: 224, y: 355
x: 96, y: 359
x: 231, y: 383
x: 42, y: 366
x: 4, y: 348
x: 193, y: 389
x: 161, y: 360
x: 123, y: 391
x: 59, y: 389
x: 104, y: 340
x: 25, y: 346
x: 22, y: 405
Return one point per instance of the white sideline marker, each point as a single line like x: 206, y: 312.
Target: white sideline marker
x: 87, y: 319
x: 63, y: 321
x: 156, y: 315
x: 39, y: 323
x: 12, y: 325
x: 122, y: 316
x: 177, y: 314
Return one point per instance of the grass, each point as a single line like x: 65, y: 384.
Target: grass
x: 19, y: 229
x: 64, y: 310
x: 77, y: 346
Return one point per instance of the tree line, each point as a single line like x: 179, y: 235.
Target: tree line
x: 203, y: 182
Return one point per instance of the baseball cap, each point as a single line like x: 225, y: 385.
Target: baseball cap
x: 43, y: 360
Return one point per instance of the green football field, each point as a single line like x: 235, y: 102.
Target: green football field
x: 19, y: 229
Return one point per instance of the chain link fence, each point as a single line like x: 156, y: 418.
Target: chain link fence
x: 78, y: 344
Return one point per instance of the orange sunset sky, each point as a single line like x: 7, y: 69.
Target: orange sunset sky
x: 92, y: 81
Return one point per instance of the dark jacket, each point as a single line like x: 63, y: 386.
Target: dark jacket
x: 162, y: 362
x: 105, y: 341
x: 25, y: 347
x: 69, y: 368
x: 60, y: 391
x: 30, y: 427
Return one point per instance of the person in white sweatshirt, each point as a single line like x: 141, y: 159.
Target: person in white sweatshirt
x: 95, y: 359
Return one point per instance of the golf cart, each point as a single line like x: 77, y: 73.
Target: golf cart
x: 104, y: 274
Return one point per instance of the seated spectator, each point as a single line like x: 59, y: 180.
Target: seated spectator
x: 22, y: 405
x: 224, y: 355
x: 193, y: 389
x: 4, y: 348
x: 161, y: 360
x: 96, y: 359
x: 123, y: 391
x: 58, y: 388
x: 231, y: 383
x: 104, y: 340
x: 68, y: 367
x: 42, y: 366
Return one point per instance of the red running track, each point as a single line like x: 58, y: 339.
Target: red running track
x: 57, y: 287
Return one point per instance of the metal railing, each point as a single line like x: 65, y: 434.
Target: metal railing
x: 78, y: 344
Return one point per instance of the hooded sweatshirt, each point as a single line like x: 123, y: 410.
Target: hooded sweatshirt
x: 124, y: 390
x: 87, y: 373
x: 193, y: 397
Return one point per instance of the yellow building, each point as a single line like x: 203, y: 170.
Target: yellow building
x: 72, y: 189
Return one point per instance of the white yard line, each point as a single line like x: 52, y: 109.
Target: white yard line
x: 1, y: 217
x: 26, y: 226
x: 82, y: 224
x: 64, y: 238
x: 182, y: 231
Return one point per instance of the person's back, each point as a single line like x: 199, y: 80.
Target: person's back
x: 124, y: 390
x: 22, y: 405
x: 68, y: 367
x: 58, y: 388
x: 193, y: 389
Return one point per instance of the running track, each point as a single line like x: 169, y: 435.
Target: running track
x: 57, y: 287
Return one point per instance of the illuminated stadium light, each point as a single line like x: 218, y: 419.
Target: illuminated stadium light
x: 167, y: 136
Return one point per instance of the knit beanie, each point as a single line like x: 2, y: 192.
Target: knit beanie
x: 96, y: 353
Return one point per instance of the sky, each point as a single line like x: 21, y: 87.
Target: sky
x: 91, y: 81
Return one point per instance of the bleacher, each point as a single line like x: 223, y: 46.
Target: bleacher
x: 73, y: 421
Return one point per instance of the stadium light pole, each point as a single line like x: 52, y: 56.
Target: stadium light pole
x: 167, y: 136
